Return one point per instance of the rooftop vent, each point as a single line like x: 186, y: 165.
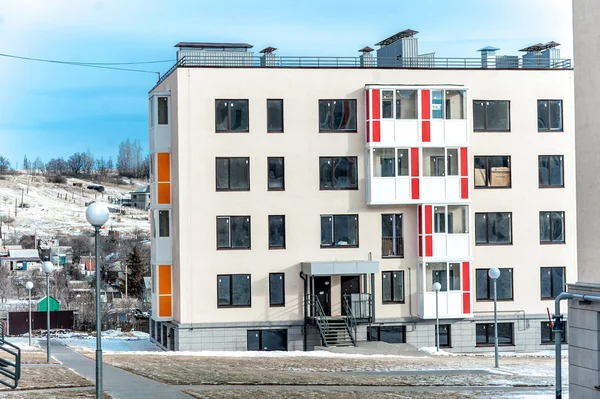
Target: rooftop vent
x: 366, y: 58
x: 488, y: 56
x: 268, y: 58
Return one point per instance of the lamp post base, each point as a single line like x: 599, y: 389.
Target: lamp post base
x: 99, y: 374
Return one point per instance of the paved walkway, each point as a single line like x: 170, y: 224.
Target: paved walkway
x: 116, y: 382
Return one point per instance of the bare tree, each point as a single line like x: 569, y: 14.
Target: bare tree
x: 5, y: 283
x: 4, y: 164
x: 76, y: 163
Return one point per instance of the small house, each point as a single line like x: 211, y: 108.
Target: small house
x: 140, y: 198
x: 43, y: 307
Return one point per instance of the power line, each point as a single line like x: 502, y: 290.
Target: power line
x: 100, y: 65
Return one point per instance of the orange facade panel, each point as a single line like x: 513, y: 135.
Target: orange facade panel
x: 164, y: 193
x: 164, y: 280
x: 163, y: 161
x: 164, y: 306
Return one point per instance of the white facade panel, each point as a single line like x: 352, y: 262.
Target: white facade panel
x: 433, y: 189
x: 383, y: 189
x: 456, y: 132
x: 387, y: 131
x: 458, y: 245
x: 452, y: 188
x: 403, y: 189
x: 407, y: 132
x: 439, y: 246
x: 437, y: 131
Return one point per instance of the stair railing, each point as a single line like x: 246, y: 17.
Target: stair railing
x: 9, y: 369
x: 349, y: 319
x: 320, y: 318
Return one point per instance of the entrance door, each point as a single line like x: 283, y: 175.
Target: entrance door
x: 350, y: 285
x: 323, y: 293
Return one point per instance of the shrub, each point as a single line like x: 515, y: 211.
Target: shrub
x: 56, y: 179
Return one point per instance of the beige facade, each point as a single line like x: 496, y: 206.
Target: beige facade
x: 194, y: 146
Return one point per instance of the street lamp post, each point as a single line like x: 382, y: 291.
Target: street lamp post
x: 47, y: 268
x: 29, y: 286
x: 437, y: 287
x: 494, y: 273
x: 97, y: 215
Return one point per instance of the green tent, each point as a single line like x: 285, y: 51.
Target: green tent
x: 54, y: 305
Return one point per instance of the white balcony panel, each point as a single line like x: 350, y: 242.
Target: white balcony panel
x: 162, y: 138
x: 449, y: 305
x: 403, y: 189
x: 433, y: 189
x: 455, y: 304
x: 407, y: 131
x: 383, y: 189
x: 458, y: 245
x: 439, y: 245
x: 162, y: 252
x: 456, y: 131
x: 387, y: 130
x: 437, y: 131
x: 453, y: 188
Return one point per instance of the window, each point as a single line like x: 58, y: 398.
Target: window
x: 392, y: 287
x: 233, y: 232
x: 491, y: 116
x: 448, y: 104
x: 276, y: 231
x: 550, y: 116
x: 389, y: 334
x: 231, y: 115
x: 275, y: 116
x: 493, y: 228
x: 399, y: 104
x: 552, y: 227
x: 485, y: 285
x: 547, y: 334
x: 275, y: 174
x: 445, y: 340
x: 440, y: 162
x: 447, y: 274
x: 267, y: 340
x: 451, y: 219
x: 338, y: 173
x: 233, y: 174
x: 392, y: 240
x: 390, y: 162
x: 485, y: 334
x: 337, y: 115
x: 551, y: 171
x: 276, y: 289
x: 552, y: 281
x: 163, y: 223
x: 233, y: 290
x: 163, y: 110
x: 492, y: 171
x: 339, y: 231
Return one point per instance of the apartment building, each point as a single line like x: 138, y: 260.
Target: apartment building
x: 307, y: 201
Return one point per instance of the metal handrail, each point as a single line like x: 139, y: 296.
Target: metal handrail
x: 5, y: 365
x: 321, y: 317
x: 350, y: 320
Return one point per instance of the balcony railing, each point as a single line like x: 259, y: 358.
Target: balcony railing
x: 392, y: 247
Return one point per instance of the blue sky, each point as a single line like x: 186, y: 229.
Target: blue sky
x: 51, y: 110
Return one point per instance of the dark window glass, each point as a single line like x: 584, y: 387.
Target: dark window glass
x: 389, y: 334
x: 275, y: 173
x: 491, y: 115
x: 233, y: 174
x: 163, y: 110
x: 275, y: 116
x: 276, y: 231
x: 233, y: 290
x: 392, y: 240
x: 402, y: 162
x: 276, y: 289
x: 552, y: 227
x: 224, y: 290
x: 267, y: 340
x: 550, y: 115
x: 492, y: 171
x: 337, y: 115
x: 552, y: 281
x: 339, y: 230
x: 548, y: 334
x: 493, y: 228
x: 338, y: 173
x: 551, y: 172
x: 485, y: 285
x: 163, y: 223
x: 233, y: 232
x: 387, y: 101
x: 231, y: 115
x: 253, y: 340
x: 392, y: 287
x: 445, y: 335
x: 223, y: 232
x: 484, y: 334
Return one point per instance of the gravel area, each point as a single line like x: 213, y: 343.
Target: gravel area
x: 62, y: 394
x: 45, y: 377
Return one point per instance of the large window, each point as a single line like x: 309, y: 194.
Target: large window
x: 552, y: 281
x: 390, y: 162
x: 445, y: 335
x: 337, y: 115
x: 550, y: 116
x: 451, y: 219
x: 492, y: 171
x: 267, y: 340
x: 448, y: 104
x: 485, y: 285
x: 275, y: 174
x: 399, y: 104
x: 392, y: 240
x: 552, y: 227
x: 551, y: 171
x: 392, y: 290
x: 231, y: 115
x: 276, y: 289
x: 547, y: 335
x: 233, y: 174
x: 276, y: 231
x: 275, y: 116
x: 339, y: 231
x: 233, y: 232
x: 163, y: 110
x: 389, y: 334
x: 484, y: 334
x: 493, y: 228
x: 491, y: 116
x: 233, y: 290
x: 447, y: 274
x: 338, y: 173
x: 440, y: 162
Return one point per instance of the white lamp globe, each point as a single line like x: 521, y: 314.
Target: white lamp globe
x: 47, y: 267
x: 437, y: 286
x: 29, y: 285
x: 97, y: 214
x: 494, y: 273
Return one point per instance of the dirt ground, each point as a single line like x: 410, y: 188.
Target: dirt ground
x: 45, y: 377
x: 66, y: 394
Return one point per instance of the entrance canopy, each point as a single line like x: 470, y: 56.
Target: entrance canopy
x: 345, y: 268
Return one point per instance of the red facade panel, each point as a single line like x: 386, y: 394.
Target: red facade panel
x: 368, y: 131
x: 464, y: 162
x: 376, y: 101
x: 420, y: 245
x: 414, y: 162
x: 426, y: 131
x: 419, y: 219
x: 466, y: 302
x: 428, y: 220
x: 464, y: 188
x: 414, y: 182
x: 368, y: 114
x: 425, y: 104
x: 428, y: 245
x: 466, y: 276
x: 376, y: 131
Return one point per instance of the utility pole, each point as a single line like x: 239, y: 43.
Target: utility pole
x: 16, y: 203
x: 22, y: 191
